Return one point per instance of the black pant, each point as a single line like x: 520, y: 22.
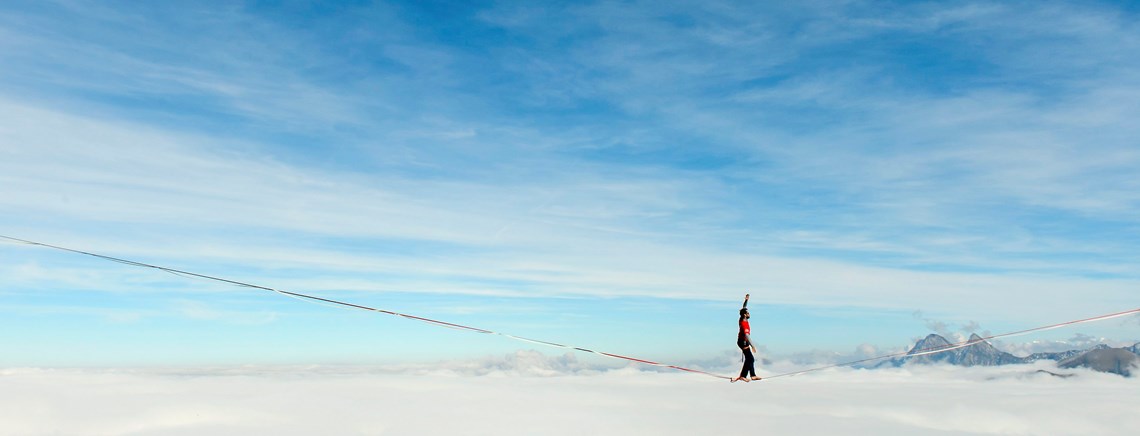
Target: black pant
x: 748, y: 368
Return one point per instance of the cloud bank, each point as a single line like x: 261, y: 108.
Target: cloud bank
x: 509, y: 400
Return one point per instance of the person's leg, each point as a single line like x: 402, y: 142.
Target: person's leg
x: 744, y: 367
x: 752, y: 366
x: 749, y: 361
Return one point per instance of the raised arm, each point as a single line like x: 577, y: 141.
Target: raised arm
x: 748, y: 337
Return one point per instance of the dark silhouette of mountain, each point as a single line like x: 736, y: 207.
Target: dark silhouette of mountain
x: 1115, y: 360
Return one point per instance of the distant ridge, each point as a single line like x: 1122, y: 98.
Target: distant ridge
x: 1062, y: 355
x: 979, y: 352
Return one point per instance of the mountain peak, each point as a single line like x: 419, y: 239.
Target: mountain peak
x: 930, y: 342
x: 934, y: 337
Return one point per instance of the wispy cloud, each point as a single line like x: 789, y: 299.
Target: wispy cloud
x: 959, y: 159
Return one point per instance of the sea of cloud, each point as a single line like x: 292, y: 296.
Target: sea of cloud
x: 529, y: 393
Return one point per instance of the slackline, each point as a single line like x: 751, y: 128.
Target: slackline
x: 315, y: 299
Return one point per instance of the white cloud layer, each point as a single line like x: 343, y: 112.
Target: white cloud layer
x: 527, y: 394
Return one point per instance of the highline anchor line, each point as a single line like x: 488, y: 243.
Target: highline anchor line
x: 315, y: 299
x: 319, y: 300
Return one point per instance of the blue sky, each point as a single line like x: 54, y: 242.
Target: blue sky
x: 609, y: 174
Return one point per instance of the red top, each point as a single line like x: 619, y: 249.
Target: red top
x: 744, y: 327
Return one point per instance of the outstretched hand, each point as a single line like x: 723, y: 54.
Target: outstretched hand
x: 745, y: 297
